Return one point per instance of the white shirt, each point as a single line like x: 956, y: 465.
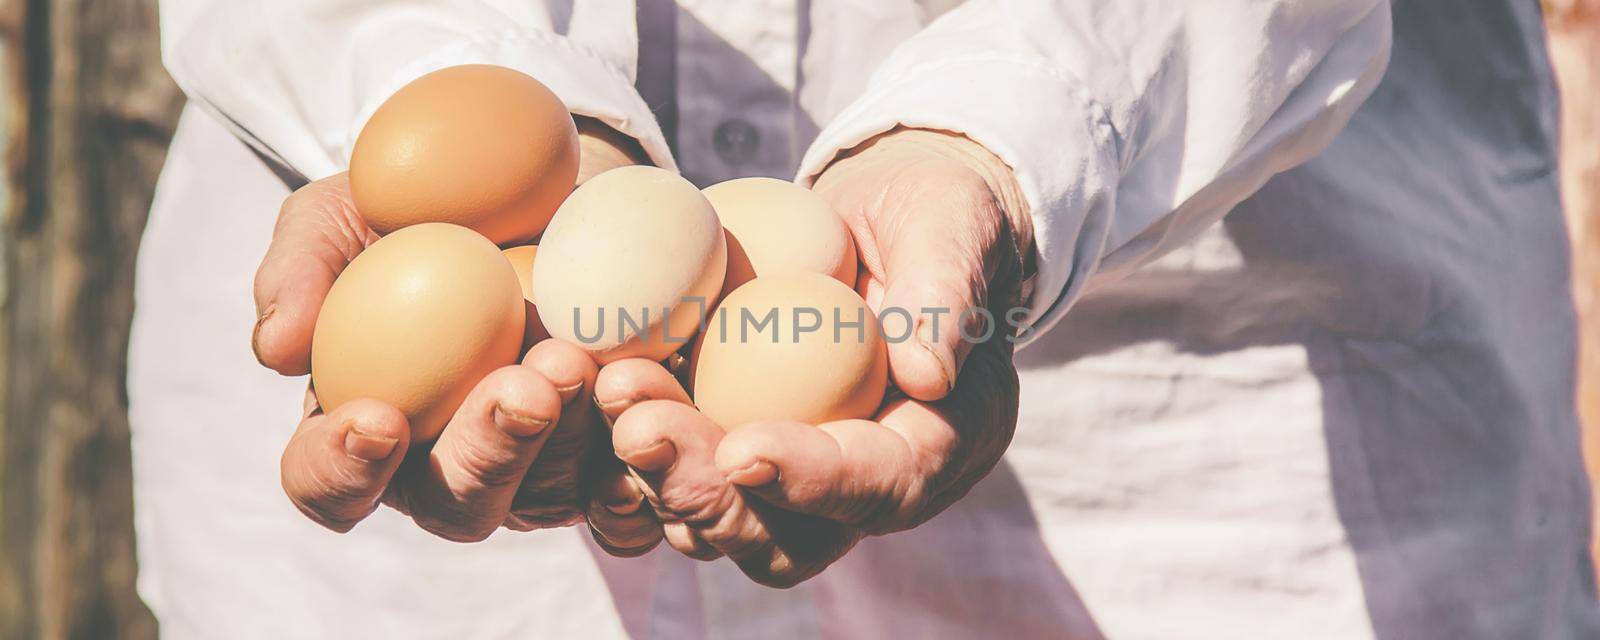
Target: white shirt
x: 1345, y: 412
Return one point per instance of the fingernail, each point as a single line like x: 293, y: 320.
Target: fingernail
x: 757, y: 474
x: 569, y: 393
x: 657, y: 456
x: 255, y: 334
x: 612, y: 549
x: 614, y: 407
x: 368, y: 447
x: 520, y: 425
x: 624, y: 508
x: 548, y: 518
x: 928, y: 338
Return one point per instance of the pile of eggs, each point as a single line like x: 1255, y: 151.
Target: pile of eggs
x: 486, y: 248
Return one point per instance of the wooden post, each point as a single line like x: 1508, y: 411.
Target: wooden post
x: 89, y: 114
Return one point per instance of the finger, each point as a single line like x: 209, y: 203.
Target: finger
x: 619, y: 514
x: 317, y: 234
x: 685, y: 540
x: 854, y: 471
x: 566, y: 366
x: 668, y: 446
x: 936, y: 269
x: 871, y: 290
x: 549, y: 493
x: 617, y: 549
x: 671, y: 449
x: 463, y: 491
x: 625, y: 383
x: 885, y: 475
x: 602, y: 148
x: 337, y: 465
x: 800, y: 546
x: 653, y: 438
x: 619, y: 518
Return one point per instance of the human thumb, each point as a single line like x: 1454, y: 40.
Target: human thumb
x: 934, y: 307
x: 942, y: 227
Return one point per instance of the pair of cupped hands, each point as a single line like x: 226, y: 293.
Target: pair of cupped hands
x: 940, y: 225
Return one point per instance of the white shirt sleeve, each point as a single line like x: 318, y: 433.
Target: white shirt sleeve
x: 1131, y: 125
x: 297, y: 79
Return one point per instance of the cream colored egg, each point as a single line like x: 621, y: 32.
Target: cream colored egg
x: 793, y: 346
x: 481, y: 146
x: 522, y: 260
x: 630, y: 265
x: 775, y: 226
x: 417, y: 320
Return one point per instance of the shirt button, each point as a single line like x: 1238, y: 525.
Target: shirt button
x: 735, y: 140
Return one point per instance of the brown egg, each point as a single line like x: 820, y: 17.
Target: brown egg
x: 775, y: 226
x: 630, y: 265
x: 522, y: 260
x: 417, y: 320
x: 748, y: 368
x: 481, y: 146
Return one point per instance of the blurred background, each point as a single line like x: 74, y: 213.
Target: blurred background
x: 85, y: 114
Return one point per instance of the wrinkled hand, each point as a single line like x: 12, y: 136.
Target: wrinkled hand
x: 941, y: 225
x: 524, y: 451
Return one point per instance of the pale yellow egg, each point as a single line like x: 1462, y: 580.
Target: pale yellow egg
x: 630, y: 265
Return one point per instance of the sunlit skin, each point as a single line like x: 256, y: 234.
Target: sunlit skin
x: 524, y: 451
x: 940, y: 223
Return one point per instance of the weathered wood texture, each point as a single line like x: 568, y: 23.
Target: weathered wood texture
x: 91, y: 111
x: 1575, y: 53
